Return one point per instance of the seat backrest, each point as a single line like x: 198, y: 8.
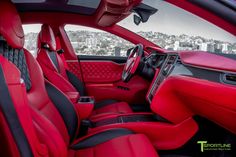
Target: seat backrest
x: 16, y: 137
x: 42, y: 121
x: 52, y: 64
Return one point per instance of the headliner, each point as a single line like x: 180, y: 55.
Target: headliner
x: 88, y: 7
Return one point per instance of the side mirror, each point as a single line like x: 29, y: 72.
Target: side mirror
x: 137, y: 19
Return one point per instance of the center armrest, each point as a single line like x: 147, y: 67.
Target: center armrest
x: 86, y: 99
x: 73, y: 96
x: 85, y: 106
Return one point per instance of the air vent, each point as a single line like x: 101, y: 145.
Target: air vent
x: 179, y: 61
x: 172, y: 59
x: 229, y: 78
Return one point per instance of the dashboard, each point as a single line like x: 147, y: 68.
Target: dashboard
x: 169, y: 64
x: 190, y: 83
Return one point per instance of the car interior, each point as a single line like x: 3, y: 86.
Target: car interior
x: 154, y: 102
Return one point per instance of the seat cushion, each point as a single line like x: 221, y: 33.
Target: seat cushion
x: 132, y: 145
x: 116, y: 108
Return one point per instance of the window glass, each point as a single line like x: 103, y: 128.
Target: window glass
x: 93, y: 42
x: 31, y: 32
x: 176, y: 29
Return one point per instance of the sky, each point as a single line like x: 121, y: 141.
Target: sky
x: 170, y: 20
x: 173, y: 20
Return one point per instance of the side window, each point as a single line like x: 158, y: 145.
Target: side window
x: 93, y: 42
x: 31, y: 33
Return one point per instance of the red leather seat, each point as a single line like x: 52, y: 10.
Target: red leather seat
x: 54, y: 70
x: 33, y: 125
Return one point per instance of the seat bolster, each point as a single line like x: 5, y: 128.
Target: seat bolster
x: 76, y: 82
x: 65, y: 108
x: 101, y: 137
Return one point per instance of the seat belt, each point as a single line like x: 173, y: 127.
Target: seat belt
x: 9, y: 112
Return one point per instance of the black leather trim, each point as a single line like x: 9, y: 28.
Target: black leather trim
x: 17, y: 57
x: 115, y: 59
x: 104, y: 103
x: 101, y: 138
x: 65, y: 108
x: 9, y: 112
x: 53, y: 57
x: 219, y: 8
x: 77, y: 83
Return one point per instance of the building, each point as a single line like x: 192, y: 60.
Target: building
x: 117, y: 51
x: 91, y: 42
x: 226, y: 48
x: 207, y: 47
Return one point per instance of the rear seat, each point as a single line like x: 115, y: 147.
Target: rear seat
x: 31, y: 125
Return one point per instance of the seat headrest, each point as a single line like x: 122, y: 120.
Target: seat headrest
x: 10, y: 25
x: 46, y: 38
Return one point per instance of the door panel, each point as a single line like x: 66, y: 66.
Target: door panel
x: 102, y: 78
x: 101, y: 71
x: 132, y: 92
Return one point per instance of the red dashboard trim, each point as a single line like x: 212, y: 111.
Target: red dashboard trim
x: 207, y: 60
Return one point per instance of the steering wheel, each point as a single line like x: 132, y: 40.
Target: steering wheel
x: 133, y: 62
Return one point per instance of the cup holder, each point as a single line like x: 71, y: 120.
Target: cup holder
x: 86, y: 100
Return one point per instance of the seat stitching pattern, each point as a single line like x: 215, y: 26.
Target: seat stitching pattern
x: 17, y: 57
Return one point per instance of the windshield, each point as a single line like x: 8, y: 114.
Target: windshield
x: 173, y: 28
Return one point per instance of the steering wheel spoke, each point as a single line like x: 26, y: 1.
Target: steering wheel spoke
x: 132, y: 63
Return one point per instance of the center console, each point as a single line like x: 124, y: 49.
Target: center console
x: 164, y: 71
x: 128, y: 118
x: 85, y: 106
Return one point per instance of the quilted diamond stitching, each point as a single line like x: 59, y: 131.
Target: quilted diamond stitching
x: 101, y: 71
x: 17, y: 57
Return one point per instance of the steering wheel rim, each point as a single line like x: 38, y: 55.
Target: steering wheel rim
x: 132, y: 63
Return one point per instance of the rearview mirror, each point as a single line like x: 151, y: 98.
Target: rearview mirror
x: 143, y: 12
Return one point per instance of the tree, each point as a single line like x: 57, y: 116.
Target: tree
x: 101, y: 52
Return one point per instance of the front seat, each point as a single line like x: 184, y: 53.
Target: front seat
x: 32, y: 124
x: 54, y: 70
